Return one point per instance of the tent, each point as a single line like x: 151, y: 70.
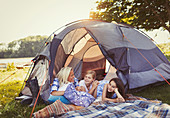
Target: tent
x: 110, y: 49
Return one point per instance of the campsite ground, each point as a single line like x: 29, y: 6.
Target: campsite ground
x: 10, y: 88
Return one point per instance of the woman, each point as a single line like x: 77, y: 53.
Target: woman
x: 112, y: 91
x: 63, y: 78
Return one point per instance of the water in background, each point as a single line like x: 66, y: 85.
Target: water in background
x: 16, y: 61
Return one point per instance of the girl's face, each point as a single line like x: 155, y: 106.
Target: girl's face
x: 111, y: 86
x: 88, y: 79
x: 71, y: 76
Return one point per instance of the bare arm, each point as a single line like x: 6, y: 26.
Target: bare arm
x: 119, y: 95
x: 80, y: 88
x: 94, y: 87
x: 95, y: 93
x: 118, y: 99
x: 57, y: 93
x: 104, y: 93
x: 92, y: 90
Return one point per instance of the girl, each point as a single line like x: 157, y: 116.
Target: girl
x: 89, y: 82
x: 112, y: 91
x: 63, y: 78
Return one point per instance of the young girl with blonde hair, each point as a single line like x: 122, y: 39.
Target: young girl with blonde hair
x: 89, y: 82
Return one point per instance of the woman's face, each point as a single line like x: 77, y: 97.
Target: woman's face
x: 88, y: 79
x: 111, y: 86
x: 71, y: 76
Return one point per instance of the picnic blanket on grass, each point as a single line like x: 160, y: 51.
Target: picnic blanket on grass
x: 133, y: 107
x: 129, y: 109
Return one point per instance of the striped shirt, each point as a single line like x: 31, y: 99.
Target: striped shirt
x: 55, y: 86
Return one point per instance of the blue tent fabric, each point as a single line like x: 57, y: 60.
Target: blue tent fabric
x: 122, y: 45
x: 54, y: 45
x: 131, y: 52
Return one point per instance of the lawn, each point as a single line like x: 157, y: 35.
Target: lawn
x: 10, y: 88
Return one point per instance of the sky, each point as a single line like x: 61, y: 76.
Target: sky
x: 22, y: 18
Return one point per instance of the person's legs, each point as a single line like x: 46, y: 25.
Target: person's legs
x: 64, y: 100
x: 54, y: 109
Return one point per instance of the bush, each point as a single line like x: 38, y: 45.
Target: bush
x: 11, y: 66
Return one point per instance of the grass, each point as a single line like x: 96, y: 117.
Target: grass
x: 15, y: 109
x: 10, y: 108
x: 168, y: 56
x: 156, y: 93
x: 9, y: 91
x: 10, y: 88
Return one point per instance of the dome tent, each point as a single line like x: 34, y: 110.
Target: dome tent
x: 90, y: 44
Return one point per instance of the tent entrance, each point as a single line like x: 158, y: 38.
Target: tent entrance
x: 84, y: 54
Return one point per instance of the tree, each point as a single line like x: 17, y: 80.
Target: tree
x: 147, y: 14
x: 26, y: 47
x: 30, y: 46
x: 1, y: 44
x: 12, y: 45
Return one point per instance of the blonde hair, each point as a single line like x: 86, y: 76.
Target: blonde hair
x: 92, y: 72
x: 63, y: 75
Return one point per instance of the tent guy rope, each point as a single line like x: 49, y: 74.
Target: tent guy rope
x: 8, y: 77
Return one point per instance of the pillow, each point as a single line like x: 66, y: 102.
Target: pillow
x: 79, y: 98
x: 64, y: 100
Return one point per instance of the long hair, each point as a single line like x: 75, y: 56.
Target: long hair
x: 92, y: 72
x: 63, y: 75
x: 120, y: 87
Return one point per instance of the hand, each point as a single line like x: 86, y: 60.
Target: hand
x: 116, y: 90
x: 120, y: 100
x: 95, y: 83
x: 80, y: 88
